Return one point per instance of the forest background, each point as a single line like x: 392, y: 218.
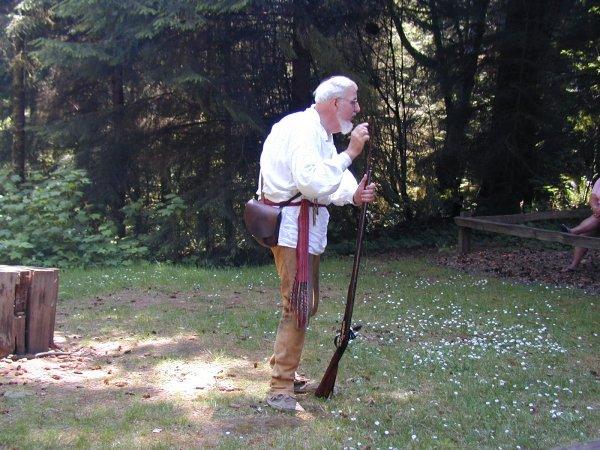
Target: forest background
x: 132, y: 129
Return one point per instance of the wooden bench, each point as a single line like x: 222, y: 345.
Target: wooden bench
x: 27, y: 309
x: 512, y: 224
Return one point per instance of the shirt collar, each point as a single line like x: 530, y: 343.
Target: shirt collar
x: 315, y: 116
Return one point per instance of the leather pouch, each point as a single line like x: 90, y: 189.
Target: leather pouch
x: 262, y: 222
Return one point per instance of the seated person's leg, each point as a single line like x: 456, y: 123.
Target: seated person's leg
x: 587, y: 225
x: 580, y: 252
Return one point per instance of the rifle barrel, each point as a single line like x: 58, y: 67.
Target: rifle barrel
x: 327, y: 384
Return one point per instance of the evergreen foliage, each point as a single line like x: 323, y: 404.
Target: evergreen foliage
x: 165, y: 104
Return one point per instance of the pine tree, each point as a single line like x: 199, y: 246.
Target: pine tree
x: 457, y: 30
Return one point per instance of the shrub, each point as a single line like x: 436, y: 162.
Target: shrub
x: 45, y: 221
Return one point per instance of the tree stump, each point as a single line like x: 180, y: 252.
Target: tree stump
x: 27, y: 309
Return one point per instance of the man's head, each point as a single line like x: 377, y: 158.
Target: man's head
x: 337, y: 103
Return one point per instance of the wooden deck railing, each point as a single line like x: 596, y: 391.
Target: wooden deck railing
x: 511, y: 225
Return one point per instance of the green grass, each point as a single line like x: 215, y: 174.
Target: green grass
x: 445, y: 360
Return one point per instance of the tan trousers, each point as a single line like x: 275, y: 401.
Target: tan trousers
x: 290, y: 339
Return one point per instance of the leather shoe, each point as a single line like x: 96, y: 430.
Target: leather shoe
x: 284, y: 402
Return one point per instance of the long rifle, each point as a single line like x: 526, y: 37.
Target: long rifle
x: 346, y: 331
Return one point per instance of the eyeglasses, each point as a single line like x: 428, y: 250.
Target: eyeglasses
x: 353, y: 103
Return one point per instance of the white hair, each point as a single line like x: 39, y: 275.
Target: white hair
x: 333, y: 87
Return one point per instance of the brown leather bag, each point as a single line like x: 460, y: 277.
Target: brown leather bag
x: 262, y: 220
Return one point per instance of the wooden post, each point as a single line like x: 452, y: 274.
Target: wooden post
x: 41, y: 310
x: 19, y: 324
x: 8, y: 280
x: 20, y: 314
x: 27, y: 309
x: 464, y: 237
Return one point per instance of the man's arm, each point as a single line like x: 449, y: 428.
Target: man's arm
x: 315, y: 177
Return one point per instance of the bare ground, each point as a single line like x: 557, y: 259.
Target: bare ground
x: 527, y: 265
x: 181, y: 370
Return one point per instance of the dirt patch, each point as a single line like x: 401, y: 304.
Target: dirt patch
x: 139, y: 299
x: 184, y: 369
x: 529, y: 266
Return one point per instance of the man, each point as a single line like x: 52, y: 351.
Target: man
x: 299, y: 156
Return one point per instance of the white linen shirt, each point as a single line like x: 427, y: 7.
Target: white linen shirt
x: 299, y: 155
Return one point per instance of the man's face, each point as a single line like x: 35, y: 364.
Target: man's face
x: 347, y: 108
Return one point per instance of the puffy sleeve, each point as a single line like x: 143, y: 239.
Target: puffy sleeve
x: 315, y: 177
x: 344, y: 193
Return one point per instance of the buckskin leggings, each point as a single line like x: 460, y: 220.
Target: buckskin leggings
x: 290, y: 339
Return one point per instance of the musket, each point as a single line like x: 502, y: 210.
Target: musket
x: 346, y: 333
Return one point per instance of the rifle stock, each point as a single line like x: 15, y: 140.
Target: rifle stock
x: 327, y: 384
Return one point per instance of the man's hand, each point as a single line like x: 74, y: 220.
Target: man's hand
x: 364, y: 194
x: 358, y: 138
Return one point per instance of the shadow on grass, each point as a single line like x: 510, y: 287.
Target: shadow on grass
x: 147, y: 369
x: 156, y: 392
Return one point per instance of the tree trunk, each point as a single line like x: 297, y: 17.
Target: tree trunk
x: 301, y: 95
x: 457, y: 88
x: 118, y: 152
x: 450, y: 162
x: 19, y: 148
x: 455, y: 66
x: 399, y: 112
x: 511, y: 158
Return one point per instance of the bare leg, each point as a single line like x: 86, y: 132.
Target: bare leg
x: 578, y: 253
x: 586, y: 226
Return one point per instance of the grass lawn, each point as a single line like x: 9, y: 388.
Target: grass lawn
x: 162, y: 356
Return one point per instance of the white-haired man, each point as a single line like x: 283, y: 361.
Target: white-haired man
x: 299, y: 156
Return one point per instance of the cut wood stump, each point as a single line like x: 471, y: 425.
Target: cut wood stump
x: 27, y: 309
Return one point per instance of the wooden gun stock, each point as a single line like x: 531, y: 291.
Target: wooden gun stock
x: 327, y: 384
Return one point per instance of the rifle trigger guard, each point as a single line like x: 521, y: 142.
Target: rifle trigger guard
x: 352, y: 336
x: 353, y: 331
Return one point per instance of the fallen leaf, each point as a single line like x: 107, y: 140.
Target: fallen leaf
x: 227, y: 388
